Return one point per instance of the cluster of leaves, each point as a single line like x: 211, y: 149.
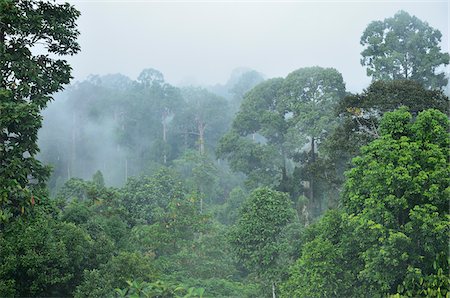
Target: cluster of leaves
x: 392, y: 233
x: 262, y: 236
x: 27, y: 83
x: 158, y: 289
x: 277, y: 121
x: 404, y: 47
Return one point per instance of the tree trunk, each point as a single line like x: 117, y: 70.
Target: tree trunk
x: 284, y: 177
x: 73, y: 148
x: 311, y: 179
x: 201, y: 137
x: 164, y: 124
x: 273, y: 290
x: 126, y: 170
x: 406, y: 66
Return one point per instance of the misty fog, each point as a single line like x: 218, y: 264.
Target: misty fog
x: 224, y: 148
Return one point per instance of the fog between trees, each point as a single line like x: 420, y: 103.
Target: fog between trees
x: 261, y: 186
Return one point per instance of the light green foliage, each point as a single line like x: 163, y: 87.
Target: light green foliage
x: 24, y: 92
x: 200, y: 173
x: 125, y: 266
x: 327, y: 262
x: 360, y: 116
x: 256, y: 238
x: 203, y: 120
x: 311, y: 94
x: 404, y: 47
x: 147, y: 197
x: 406, y: 167
x: 228, y: 213
x: 158, y: 289
x: 207, y: 256
x: 254, y: 145
x: 392, y: 234
x: 276, y: 120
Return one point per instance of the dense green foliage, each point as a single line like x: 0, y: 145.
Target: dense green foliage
x: 222, y: 191
x: 392, y: 232
x: 258, y: 236
x: 277, y: 119
x: 27, y: 82
x: 404, y: 47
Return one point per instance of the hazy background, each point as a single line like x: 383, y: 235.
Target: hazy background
x: 92, y: 124
x: 201, y: 42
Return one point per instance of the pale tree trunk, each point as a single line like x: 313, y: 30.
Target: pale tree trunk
x: 126, y: 170
x: 284, y: 176
x: 164, y: 124
x: 201, y: 136
x: 186, y: 138
x: 317, y: 204
x: 273, y: 290
x: 72, y: 149
x: 311, y: 181
x: 201, y: 204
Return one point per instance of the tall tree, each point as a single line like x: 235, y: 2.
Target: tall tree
x: 277, y: 118
x: 404, y: 47
x: 309, y: 96
x: 204, y: 119
x: 360, y: 114
x: 257, y: 236
x: 391, y: 235
x: 245, y: 83
x: 256, y: 143
x: 152, y: 104
x: 27, y: 82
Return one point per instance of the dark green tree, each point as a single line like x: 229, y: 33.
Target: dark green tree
x: 27, y: 82
x: 257, y: 239
x: 360, y: 115
x: 98, y: 180
x: 404, y: 47
x: 41, y: 256
x: 200, y: 174
x: 309, y: 96
x: 145, y: 198
x: 125, y: 266
x: 256, y: 143
x: 276, y: 120
x: 391, y: 235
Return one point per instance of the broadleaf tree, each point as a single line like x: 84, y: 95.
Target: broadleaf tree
x: 27, y: 82
x: 391, y: 234
x: 404, y: 47
x: 256, y: 237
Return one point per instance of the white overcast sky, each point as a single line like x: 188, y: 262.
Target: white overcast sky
x: 203, y: 41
